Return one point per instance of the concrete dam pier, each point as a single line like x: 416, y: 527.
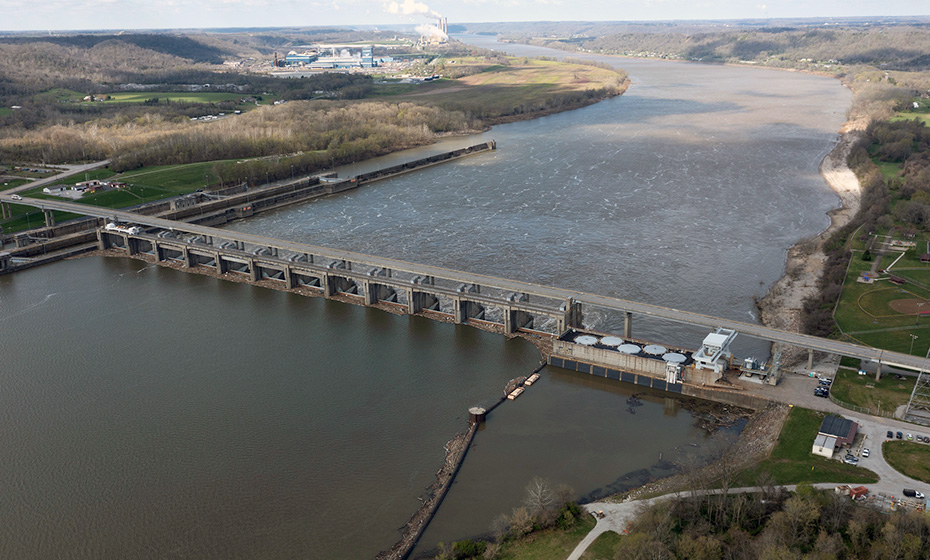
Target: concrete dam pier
x: 456, y: 296
x: 361, y: 282
x: 176, y: 233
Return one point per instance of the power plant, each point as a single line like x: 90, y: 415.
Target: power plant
x: 437, y: 34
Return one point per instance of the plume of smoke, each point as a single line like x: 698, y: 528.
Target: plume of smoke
x: 431, y: 31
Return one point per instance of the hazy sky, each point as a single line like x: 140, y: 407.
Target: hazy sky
x: 148, y: 14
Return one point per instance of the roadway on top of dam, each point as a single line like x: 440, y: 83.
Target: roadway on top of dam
x: 655, y: 311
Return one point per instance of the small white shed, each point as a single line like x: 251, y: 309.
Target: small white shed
x: 824, y: 446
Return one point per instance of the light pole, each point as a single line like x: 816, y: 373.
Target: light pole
x: 913, y: 338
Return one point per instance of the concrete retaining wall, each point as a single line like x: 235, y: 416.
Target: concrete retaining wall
x: 610, y: 358
x: 642, y: 379
x: 727, y: 397
x: 38, y: 249
x: 632, y: 377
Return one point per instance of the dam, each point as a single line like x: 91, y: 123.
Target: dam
x: 456, y: 296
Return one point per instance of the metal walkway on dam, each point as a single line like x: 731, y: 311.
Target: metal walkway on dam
x: 419, y: 286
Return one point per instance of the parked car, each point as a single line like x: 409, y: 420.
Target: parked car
x: 899, y: 435
x: 910, y: 437
x: 16, y: 197
x: 890, y: 434
x: 849, y: 461
x: 826, y: 381
x: 865, y: 452
x: 851, y: 457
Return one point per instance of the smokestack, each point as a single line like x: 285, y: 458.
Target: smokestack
x: 445, y: 25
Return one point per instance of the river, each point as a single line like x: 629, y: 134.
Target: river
x: 149, y: 412
x: 686, y: 191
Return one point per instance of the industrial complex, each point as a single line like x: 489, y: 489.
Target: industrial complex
x: 346, y: 57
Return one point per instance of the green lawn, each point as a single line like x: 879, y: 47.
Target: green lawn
x: 146, y: 184
x: 34, y: 219
x: 180, y: 179
x: 862, y: 390
x: 14, y: 183
x: 604, y: 547
x: 173, y: 96
x: 551, y: 544
x: 864, y: 313
x: 792, y: 462
x: 889, y: 169
x: 910, y: 115
x: 909, y: 458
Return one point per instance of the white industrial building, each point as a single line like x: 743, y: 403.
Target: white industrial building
x: 715, y: 351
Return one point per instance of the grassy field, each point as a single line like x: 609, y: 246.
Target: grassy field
x: 911, y: 115
x: 551, y: 544
x: 177, y: 178
x: 14, y: 183
x: 889, y: 169
x: 865, y: 314
x: 173, y: 96
x: 496, y: 89
x: 146, y: 184
x: 604, y: 547
x: 5, y: 111
x: 909, y: 458
x: 862, y: 390
x: 792, y: 462
x: 26, y: 217
x: 58, y: 95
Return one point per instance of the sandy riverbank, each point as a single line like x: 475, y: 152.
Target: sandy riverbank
x: 781, y: 307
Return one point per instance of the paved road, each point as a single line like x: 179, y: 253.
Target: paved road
x: 797, y: 390
x: 69, y: 171
x: 618, y: 515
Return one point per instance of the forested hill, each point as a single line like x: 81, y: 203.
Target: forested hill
x: 894, y: 48
x: 167, y: 44
x: 29, y: 65
x: 894, y: 45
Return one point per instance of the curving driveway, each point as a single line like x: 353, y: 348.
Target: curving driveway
x: 796, y: 390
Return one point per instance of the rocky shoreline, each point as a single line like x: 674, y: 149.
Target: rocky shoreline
x: 781, y: 307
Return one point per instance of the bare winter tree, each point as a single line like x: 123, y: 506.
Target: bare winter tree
x: 539, y: 496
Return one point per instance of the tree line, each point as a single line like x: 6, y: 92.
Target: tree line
x: 310, y: 136
x: 773, y: 524
x: 906, y: 142
x: 892, y: 47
